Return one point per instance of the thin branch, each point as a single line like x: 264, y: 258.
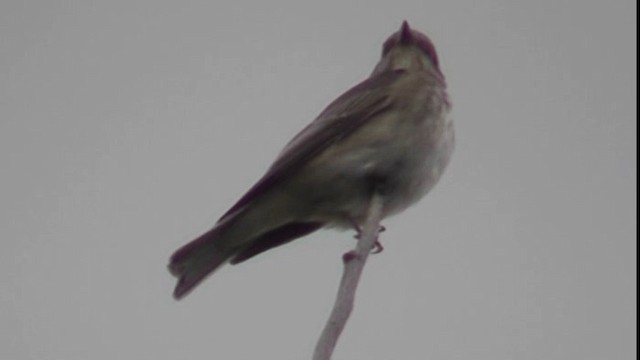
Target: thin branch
x: 354, y: 261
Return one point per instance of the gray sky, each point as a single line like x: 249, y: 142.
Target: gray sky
x: 128, y: 127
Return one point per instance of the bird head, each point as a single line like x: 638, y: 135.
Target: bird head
x: 409, y: 49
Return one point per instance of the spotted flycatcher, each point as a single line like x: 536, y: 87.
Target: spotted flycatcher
x: 391, y: 134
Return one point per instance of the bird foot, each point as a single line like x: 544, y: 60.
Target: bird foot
x: 381, y: 229
x: 377, y: 248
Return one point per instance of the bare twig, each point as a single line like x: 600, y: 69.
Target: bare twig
x: 354, y: 261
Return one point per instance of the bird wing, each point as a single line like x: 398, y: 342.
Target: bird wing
x: 337, y: 121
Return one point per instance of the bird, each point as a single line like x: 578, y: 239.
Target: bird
x: 391, y: 134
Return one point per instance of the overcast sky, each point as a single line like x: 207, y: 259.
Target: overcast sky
x: 128, y: 127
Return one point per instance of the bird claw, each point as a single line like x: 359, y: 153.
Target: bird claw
x: 377, y: 248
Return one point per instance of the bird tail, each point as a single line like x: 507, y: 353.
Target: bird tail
x: 196, y: 260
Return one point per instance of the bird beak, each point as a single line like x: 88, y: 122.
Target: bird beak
x: 405, y: 33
